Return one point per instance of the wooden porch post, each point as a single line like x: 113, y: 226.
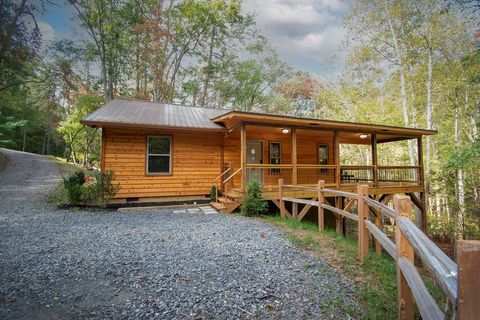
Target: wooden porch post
x: 336, y: 157
x: 294, y: 169
x: 374, y: 159
x: 280, y: 198
x: 362, y: 190
x: 406, y: 310
x: 243, y: 155
x: 421, y: 179
x: 468, y: 259
x: 321, y: 200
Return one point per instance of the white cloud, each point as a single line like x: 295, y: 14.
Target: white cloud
x: 307, y: 33
x: 48, y: 34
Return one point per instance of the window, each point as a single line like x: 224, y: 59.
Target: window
x: 275, y: 154
x: 159, y: 154
x: 323, y: 156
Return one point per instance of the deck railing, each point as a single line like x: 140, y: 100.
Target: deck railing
x: 310, y: 174
x: 459, y: 283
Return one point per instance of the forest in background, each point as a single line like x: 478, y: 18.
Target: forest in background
x: 409, y: 63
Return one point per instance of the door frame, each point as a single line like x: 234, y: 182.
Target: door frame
x: 262, y: 159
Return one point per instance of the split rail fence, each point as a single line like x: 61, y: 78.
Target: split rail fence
x: 459, y: 282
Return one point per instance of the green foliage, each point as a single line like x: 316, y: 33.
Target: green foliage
x: 253, y: 203
x: 92, y: 188
x: 83, y: 142
x: 74, y: 186
x: 213, y: 191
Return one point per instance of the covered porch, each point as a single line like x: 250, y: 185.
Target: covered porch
x: 303, y: 151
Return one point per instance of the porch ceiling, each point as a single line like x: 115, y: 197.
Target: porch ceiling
x: 349, y: 132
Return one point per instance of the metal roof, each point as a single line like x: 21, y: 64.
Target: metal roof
x: 142, y: 113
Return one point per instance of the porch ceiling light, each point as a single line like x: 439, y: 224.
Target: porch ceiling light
x: 285, y: 130
x: 363, y: 136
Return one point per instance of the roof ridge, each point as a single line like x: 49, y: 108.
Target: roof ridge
x: 168, y: 103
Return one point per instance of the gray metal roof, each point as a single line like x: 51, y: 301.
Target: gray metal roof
x: 152, y: 114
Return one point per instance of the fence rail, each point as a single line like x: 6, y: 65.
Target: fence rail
x: 409, y: 240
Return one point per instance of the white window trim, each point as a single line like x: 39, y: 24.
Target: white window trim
x: 159, y: 154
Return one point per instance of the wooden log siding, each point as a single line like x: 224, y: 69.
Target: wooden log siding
x: 195, y: 163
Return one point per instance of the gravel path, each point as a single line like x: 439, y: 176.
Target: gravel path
x: 60, y: 264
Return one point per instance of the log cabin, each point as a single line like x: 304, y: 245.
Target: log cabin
x: 175, y: 153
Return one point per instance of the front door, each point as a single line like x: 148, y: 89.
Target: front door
x: 255, y: 155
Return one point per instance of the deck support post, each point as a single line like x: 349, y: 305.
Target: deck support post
x: 243, y: 155
x: 374, y: 160
x: 280, y: 198
x: 321, y: 200
x: 362, y: 191
x: 468, y: 259
x: 294, y: 169
x: 403, y: 208
x: 336, y: 157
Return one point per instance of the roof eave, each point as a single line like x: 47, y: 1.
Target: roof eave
x: 363, y: 127
x: 102, y: 124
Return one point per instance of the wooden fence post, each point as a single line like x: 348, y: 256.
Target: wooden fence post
x: 403, y: 208
x: 468, y: 262
x: 321, y: 200
x: 280, y: 198
x: 362, y: 208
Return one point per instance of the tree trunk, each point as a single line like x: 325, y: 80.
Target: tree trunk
x: 209, y: 66
x: 429, y: 122
x: 24, y: 138
x: 459, y: 183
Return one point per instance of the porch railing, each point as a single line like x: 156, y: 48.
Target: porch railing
x: 309, y: 174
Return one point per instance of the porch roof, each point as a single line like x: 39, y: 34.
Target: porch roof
x: 349, y: 130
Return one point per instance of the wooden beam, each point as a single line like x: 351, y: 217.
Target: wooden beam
x: 321, y: 201
x: 336, y: 157
x: 305, y: 209
x: 421, y: 173
x: 362, y: 191
x: 374, y: 159
x: 280, y: 198
x: 243, y: 156
x: 468, y: 258
x: 406, y: 310
x: 294, y: 168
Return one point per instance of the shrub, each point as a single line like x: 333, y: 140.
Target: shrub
x: 74, y: 185
x: 213, y: 191
x: 253, y: 203
x: 93, y: 188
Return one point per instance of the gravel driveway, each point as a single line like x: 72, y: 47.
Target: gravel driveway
x: 60, y: 264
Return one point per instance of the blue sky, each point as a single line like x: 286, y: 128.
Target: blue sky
x: 306, y: 33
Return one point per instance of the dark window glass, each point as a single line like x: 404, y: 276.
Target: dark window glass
x: 158, y: 164
x: 159, y: 153
x: 275, y: 156
x: 323, y: 156
x: 159, y: 145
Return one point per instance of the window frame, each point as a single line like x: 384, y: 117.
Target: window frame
x: 275, y: 171
x: 322, y: 171
x: 148, y: 154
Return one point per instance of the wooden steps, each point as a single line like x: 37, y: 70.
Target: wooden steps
x: 228, y: 202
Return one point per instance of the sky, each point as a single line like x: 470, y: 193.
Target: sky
x: 306, y: 33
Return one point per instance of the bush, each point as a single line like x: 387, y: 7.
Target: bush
x: 94, y: 188
x: 253, y: 203
x: 74, y: 185
x: 213, y: 191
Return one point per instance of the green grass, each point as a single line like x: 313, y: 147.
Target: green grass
x: 375, y: 279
